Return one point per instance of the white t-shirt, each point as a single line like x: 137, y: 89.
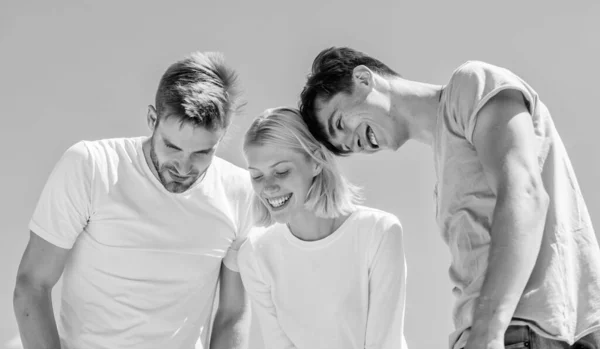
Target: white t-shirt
x: 144, y: 264
x: 562, y: 297
x: 346, y: 291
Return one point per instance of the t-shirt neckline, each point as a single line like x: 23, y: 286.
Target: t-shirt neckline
x: 321, y: 242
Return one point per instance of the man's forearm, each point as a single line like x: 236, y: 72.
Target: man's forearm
x: 516, y: 235
x: 230, y: 332
x: 35, y: 317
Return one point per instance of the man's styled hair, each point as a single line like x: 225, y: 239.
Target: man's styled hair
x: 330, y: 194
x: 331, y: 74
x: 200, y: 89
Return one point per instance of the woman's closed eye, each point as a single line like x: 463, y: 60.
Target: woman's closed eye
x: 282, y: 173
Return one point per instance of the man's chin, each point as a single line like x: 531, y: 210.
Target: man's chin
x: 176, y: 187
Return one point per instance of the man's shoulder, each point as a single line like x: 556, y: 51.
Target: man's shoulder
x: 91, y: 150
x: 227, y: 168
x: 111, y: 148
x: 114, y: 144
x: 476, y: 67
x: 233, y: 177
x: 481, y: 75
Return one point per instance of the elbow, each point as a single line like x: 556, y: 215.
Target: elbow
x: 26, y: 289
x: 23, y: 288
x: 20, y: 295
x: 539, y: 198
x: 535, y: 205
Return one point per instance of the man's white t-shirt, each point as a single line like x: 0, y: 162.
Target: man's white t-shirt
x: 346, y: 291
x: 561, y: 300
x: 144, y: 262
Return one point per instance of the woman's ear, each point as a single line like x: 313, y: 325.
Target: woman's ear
x: 317, y: 169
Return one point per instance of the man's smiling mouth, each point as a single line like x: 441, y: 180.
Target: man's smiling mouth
x: 371, y: 138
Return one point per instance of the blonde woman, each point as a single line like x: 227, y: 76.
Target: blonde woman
x: 326, y: 273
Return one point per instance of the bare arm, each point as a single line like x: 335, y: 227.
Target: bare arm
x: 232, y: 325
x: 41, y: 267
x: 506, y: 145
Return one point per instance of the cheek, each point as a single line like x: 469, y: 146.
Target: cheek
x: 163, y: 156
x: 301, y: 182
x: 352, y: 116
x: 201, y: 160
x: 198, y: 163
x: 257, y: 187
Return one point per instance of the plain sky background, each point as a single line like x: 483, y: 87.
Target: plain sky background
x: 72, y: 70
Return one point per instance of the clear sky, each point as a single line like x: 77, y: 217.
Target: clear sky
x: 72, y: 70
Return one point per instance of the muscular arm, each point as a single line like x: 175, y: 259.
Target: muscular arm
x: 506, y: 145
x: 41, y: 267
x: 231, y: 326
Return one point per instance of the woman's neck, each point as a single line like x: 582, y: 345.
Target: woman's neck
x: 307, y: 226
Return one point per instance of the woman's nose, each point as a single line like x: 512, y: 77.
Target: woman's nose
x: 271, y: 186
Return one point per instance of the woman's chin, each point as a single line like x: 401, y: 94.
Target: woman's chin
x: 280, y: 217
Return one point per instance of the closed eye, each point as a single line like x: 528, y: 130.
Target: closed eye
x: 338, y: 124
x: 171, y: 146
x: 282, y: 173
x: 256, y: 178
x: 203, y: 152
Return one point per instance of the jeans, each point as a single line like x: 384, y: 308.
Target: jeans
x: 522, y: 337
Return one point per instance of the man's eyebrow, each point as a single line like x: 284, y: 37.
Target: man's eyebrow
x: 331, y: 129
x: 170, y: 144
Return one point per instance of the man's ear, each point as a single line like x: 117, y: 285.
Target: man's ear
x: 363, y: 78
x: 152, y: 118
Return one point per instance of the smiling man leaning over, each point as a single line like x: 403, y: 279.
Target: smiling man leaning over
x: 525, y: 259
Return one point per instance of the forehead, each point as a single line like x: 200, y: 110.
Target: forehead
x: 261, y: 157
x: 186, y: 136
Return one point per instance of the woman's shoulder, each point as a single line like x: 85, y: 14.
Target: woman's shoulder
x: 260, y: 237
x: 375, y: 217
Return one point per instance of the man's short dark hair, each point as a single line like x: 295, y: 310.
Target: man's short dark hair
x: 331, y: 74
x: 200, y: 89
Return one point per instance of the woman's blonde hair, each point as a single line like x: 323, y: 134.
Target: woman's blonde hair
x: 330, y: 194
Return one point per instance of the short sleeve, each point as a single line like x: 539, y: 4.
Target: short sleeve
x: 64, y: 207
x: 245, y: 223
x: 472, y: 85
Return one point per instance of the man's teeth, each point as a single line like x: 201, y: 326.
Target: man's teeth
x: 372, y: 138
x: 277, y: 202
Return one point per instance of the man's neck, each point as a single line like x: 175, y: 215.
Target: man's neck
x: 416, y: 104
